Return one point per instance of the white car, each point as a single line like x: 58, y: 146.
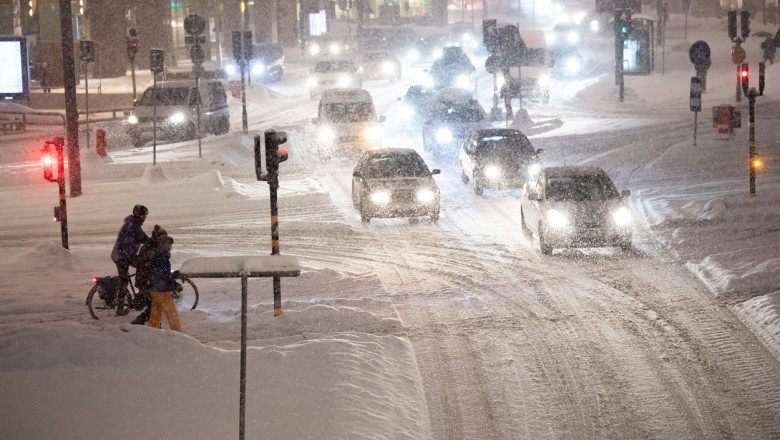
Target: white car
x: 346, y: 119
x: 575, y: 206
x: 332, y: 73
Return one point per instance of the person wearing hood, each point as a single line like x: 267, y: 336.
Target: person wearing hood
x: 163, y: 285
x: 130, y: 237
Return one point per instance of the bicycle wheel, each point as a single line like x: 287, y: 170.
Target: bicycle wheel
x: 185, y: 297
x: 94, y: 303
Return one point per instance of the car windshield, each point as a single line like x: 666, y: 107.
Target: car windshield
x: 505, y: 147
x: 399, y: 165
x: 350, y: 111
x: 376, y: 57
x: 460, y: 114
x: 267, y: 52
x: 333, y: 66
x: 581, y: 188
x: 165, y: 96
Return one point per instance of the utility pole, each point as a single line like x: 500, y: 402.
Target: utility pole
x: 71, y: 106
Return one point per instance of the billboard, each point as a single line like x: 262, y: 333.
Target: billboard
x: 15, y: 68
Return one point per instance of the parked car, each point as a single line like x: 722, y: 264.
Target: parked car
x: 453, y: 69
x: 333, y: 72
x: 380, y: 65
x: 394, y: 182
x: 575, y: 206
x: 452, y: 117
x: 416, y: 103
x: 346, y: 118
x: 176, y: 111
x: 498, y: 158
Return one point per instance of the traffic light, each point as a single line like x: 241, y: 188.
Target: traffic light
x: 761, y: 81
x: 48, y: 163
x: 490, y: 34
x: 623, y: 23
x: 87, y: 49
x: 744, y: 77
x: 156, y: 60
x: 732, y: 24
x: 745, y: 23
x: 273, y: 155
x: 248, y: 48
x: 132, y: 47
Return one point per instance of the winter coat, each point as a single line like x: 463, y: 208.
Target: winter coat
x: 129, y: 239
x: 143, y: 267
x: 162, y: 279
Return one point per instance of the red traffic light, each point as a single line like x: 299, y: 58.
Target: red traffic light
x: 48, y: 170
x: 744, y: 73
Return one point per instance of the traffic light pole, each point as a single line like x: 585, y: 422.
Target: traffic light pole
x: 752, y: 140
x: 60, y: 212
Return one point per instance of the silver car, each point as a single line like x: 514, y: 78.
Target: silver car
x: 575, y: 206
x: 394, y: 182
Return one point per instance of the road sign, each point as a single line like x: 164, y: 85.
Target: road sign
x: 493, y: 63
x: 737, y: 54
x: 194, y: 24
x: 695, y: 94
x: 196, y: 54
x: 699, y: 53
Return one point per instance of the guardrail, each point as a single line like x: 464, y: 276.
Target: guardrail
x: 113, y: 111
x: 12, y: 121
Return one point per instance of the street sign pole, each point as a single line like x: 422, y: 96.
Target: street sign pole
x: 695, y: 104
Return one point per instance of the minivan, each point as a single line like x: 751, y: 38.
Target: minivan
x: 347, y: 117
x: 176, y: 111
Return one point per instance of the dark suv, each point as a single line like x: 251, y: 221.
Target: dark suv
x: 498, y: 158
x: 268, y: 63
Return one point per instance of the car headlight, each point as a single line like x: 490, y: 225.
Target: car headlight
x: 132, y: 119
x: 344, y: 81
x: 492, y: 172
x: 556, y: 219
x: 176, y: 118
x: 258, y: 69
x: 334, y: 48
x: 534, y: 170
x: 314, y: 49
x: 413, y: 55
x: 425, y: 195
x: 326, y: 134
x: 573, y: 37
x: 231, y: 69
x: 407, y: 111
x: 444, y: 135
x: 622, y: 216
x: 437, y: 54
x: 312, y: 81
x: 572, y: 66
x: 463, y: 82
x: 380, y: 197
x: 373, y: 133
x: 594, y: 26
x: 543, y: 80
x: 550, y: 38
x: 388, y: 67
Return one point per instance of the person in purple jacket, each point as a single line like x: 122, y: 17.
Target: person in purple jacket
x: 129, y: 239
x: 163, y: 285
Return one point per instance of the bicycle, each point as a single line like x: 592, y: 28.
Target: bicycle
x: 112, y: 295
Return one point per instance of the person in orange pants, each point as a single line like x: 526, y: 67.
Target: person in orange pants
x: 163, y: 284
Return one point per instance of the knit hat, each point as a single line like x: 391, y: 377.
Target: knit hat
x: 158, y: 232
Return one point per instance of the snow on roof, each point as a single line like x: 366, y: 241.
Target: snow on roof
x: 252, y: 266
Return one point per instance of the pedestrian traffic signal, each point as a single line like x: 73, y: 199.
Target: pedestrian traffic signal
x: 745, y: 23
x: 132, y: 47
x: 732, y: 24
x: 273, y: 155
x: 490, y: 34
x: 623, y: 23
x: 48, y: 163
x: 744, y: 77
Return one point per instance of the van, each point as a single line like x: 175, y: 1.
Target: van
x: 346, y: 117
x: 174, y: 105
x: 532, y: 73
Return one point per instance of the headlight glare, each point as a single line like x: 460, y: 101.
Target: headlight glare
x: 380, y: 197
x: 543, y: 80
x: 492, y: 172
x: 622, y: 216
x: 326, y: 134
x: 444, y: 135
x: 258, y: 69
x: 132, y: 119
x: 312, y: 81
x: 556, y: 219
x: 344, y: 81
x: 425, y: 195
x: 463, y: 82
x: 176, y: 118
x: 230, y: 69
x: 373, y: 133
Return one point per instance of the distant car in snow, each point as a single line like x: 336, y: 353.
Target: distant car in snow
x: 394, y: 182
x: 380, y: 65
x: 575, y: 206
x: 499, y: 158
x: 417, y: 102
x: 333, y: 72
x: 451, y: 118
